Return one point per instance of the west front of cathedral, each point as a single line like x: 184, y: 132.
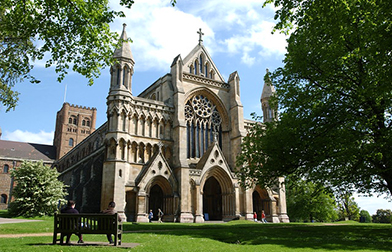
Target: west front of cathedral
x: 172, y: 147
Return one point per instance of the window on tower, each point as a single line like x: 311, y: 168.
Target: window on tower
x: 71, y: 142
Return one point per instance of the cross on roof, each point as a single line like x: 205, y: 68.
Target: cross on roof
x: 200, y: 36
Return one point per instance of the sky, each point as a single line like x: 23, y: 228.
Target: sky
x: 237, y: 35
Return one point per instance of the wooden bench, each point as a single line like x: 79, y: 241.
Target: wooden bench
x: 67, y: 224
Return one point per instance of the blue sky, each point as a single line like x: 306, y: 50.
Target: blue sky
x: 237, y: 35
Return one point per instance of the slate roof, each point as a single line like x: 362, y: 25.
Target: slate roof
x: 27, y: 151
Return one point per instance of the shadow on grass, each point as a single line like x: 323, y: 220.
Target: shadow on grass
x: 327, y: 237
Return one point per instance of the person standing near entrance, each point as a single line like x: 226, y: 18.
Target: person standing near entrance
x: 255, y: 216
x: 263, y: 219
x: 160, y: 215
x: 150, y: 216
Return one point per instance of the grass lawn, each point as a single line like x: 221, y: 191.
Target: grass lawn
x: 231, y: 236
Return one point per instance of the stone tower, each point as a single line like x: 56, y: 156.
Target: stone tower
x: 269, y: 113
x: 118, y: 106
x: 73, y: 124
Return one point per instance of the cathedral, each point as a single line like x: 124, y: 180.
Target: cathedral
x: 172, y: 147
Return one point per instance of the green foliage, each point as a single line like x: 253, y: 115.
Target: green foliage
x: 382, y: 216
x: 347, y: 207
x: 335, y: 99
x: 71, y: 35
x: 37, y: 191
x: 365, y: 216
x: 307, y: 201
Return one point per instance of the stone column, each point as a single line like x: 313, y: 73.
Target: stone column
x: 199, y: 218
x: 248, y: 205
x: 283, y: 217
x: 141, y: 207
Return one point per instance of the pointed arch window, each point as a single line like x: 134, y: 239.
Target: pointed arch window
x: 3, y: 199
x: 118, y: 76
x: 71, y: 142
x: 195, y: 67
x: 6, y: 168
x: 201, y: 64
x: 203, y: 122
x: 124, y: 77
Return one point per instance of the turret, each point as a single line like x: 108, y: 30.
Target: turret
x: 269, y: 113
x: 122, y: 70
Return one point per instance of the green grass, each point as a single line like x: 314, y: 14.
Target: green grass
x: 231, y: 236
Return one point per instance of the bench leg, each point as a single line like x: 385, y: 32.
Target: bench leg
x: 54, y: 238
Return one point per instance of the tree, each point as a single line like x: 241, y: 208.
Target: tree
x: 37, y: 191
x: 347, y: 207
x: 365, y: 216
x: 382, y: 216
x: 334, y: 95
x: 75, y: 35
x: 307, y: 201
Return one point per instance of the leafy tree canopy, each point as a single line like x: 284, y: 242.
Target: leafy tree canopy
x: 365, y: 216
x: 334, y: 95
x: 383, y: 216
x: 69, y: 35
x: 307, y: 201
x: 347, y: 207
x: 37, y: 191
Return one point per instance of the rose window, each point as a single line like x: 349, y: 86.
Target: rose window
x: 203, y: 123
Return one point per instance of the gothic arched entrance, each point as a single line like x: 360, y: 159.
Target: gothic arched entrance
x: 212, y: 199
x: 261, y: 201
x: 155, y: 200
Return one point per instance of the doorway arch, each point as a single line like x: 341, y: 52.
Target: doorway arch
x: 212, y: 199
x: 156, y: 200
x: 261, y: 201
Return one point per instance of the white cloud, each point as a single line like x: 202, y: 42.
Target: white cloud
x: 161, y: 32
x: 372, y: 204
x: 41, y: 137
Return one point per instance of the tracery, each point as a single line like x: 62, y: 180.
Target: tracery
x: 203, y: 125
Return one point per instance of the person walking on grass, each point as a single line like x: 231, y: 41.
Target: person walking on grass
x: 150, y: 216
x: 160, y: 215
x: 263, y: 219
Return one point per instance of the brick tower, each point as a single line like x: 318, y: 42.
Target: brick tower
x: 73, y: 124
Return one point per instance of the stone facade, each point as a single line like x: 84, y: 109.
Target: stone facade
x: 172, y: 147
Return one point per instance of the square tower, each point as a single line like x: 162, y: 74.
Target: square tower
x: 73, y: 125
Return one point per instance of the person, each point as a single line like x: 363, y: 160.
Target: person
x: 70, y: 209
x: 150, y: 216
x: 263, y: 219
x: 160, y: 215
x: 255, y: 216
x: 110, y: 210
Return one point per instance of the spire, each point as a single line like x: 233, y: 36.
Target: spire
x: 269, y: 113
x: 268, y: 89
x: 124, y: 51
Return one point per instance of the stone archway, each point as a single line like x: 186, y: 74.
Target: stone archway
x: 156, y: 200
x: 261, y: 201
x: 212, y: 199
x: 160, y: 194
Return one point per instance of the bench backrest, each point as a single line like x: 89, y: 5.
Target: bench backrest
x: 86, y: 223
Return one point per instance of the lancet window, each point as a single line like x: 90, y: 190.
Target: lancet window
x: 203, y: 125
